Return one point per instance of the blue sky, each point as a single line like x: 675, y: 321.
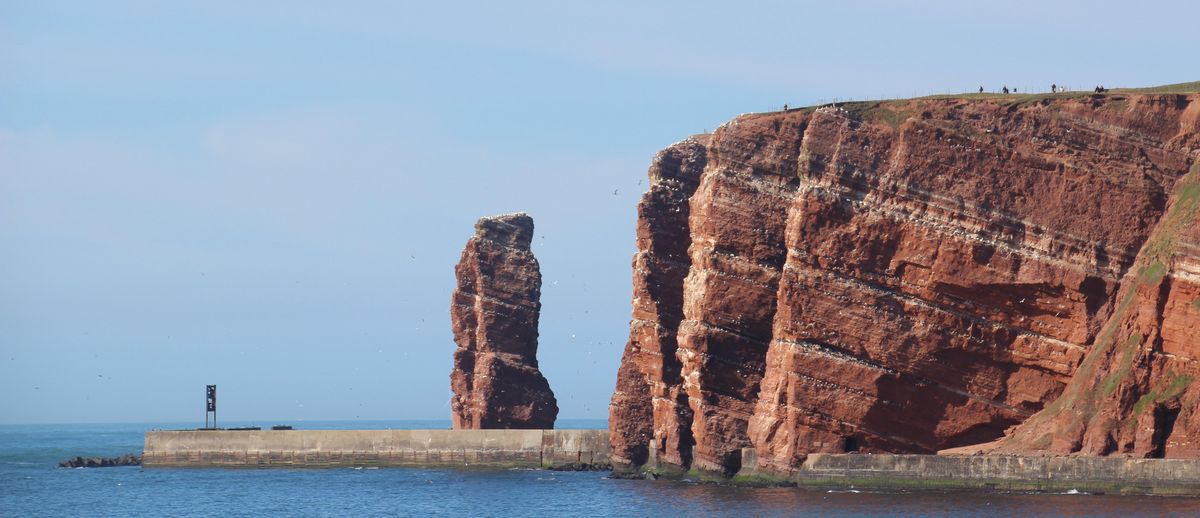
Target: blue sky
x: 272, y: 196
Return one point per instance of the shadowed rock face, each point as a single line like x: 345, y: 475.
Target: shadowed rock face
x: 913, y: 276
x: 649, y: 402
x: 494, y: 312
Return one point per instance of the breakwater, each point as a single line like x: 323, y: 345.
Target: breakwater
x: 552, y: 449
x: 589, y: 449
x: 987, y: 472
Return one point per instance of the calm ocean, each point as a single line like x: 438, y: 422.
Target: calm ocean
x: 31, y: 485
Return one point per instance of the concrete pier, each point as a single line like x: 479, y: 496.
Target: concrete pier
x: 553, y: 449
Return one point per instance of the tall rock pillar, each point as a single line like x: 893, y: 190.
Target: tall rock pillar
x: 494, y: 313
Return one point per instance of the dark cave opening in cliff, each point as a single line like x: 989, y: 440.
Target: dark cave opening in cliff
x: 1164, y: 424
x: 850, y: 444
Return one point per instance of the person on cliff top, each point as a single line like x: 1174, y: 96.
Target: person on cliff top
x: 1005, y: 89
x: 1053, y: 88
x: 981, y: 89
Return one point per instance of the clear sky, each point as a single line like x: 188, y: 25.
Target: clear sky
x: 271, y: 196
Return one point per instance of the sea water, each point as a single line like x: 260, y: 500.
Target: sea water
x: 32, y: 485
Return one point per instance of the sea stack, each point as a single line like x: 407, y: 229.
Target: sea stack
x: 494, y: 312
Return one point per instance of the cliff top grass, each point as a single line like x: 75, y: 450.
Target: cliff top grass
x: 1177, y: 88
x: 867, y: 107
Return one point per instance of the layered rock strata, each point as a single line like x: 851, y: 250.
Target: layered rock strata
x: 1134, y: 392
x: 912, y: 276
x: 494, y: 313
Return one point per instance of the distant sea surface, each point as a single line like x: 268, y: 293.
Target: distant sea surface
x: 32, y: 485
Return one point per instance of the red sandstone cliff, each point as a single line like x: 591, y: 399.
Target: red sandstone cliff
x: 494, y: 313
x: 650, y: 401
x: 1133, y: 394
x: 912, y: 276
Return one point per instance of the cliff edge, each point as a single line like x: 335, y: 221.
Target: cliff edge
x: 910, y: 276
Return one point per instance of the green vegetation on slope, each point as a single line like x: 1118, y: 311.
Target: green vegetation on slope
x: 1159, y: 395
x: 1154, y: 256
x: 1109, y: 385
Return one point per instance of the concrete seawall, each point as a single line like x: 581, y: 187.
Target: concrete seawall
x: 569, y: 449
x: 988, y: 472
x: 589, y: 449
